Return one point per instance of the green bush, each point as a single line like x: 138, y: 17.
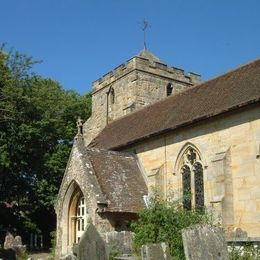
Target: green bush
x: 114, y: 252
x: 163, y: 221
x: 245, y: 252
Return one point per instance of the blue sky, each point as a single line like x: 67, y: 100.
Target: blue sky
x: 80, y: 40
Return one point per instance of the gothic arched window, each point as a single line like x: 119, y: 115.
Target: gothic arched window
x: 192, y: 179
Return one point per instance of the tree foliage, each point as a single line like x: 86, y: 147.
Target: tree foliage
x: 37, y: 126
x: 163, y: 221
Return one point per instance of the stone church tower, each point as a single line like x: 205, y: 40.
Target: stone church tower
x: 142, y: 81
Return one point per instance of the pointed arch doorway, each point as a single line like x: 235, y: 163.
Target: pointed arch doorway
x: 78, y: 215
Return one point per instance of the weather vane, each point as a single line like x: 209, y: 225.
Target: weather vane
x: 146, y: 25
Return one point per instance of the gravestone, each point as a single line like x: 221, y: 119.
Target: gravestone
x: 18, y: 246
x: 238, y: 233
x: 8, y: 251
x: 9, y: 241
x: 91, y: 245
x: 158, y: 251
x: 15, y: 244
x: 204, y: 242
x: 120, y: 241
x: 69, y: 257
x: 18, y: 241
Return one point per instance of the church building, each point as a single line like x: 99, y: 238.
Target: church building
x: 154, y: 127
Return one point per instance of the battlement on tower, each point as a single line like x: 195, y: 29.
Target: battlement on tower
x: 147, y: 66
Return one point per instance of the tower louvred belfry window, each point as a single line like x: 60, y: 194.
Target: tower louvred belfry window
x: 192, y: 179
x: 169, y: 89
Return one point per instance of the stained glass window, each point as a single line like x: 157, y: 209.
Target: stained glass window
x: 199, y: 185
x: 186, y: 182
x: 192, y: 171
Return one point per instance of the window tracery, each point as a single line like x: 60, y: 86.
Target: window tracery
x: 192, y: 179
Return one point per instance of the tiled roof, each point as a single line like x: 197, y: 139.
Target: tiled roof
x: 120, y: 179
x: 227, y: 92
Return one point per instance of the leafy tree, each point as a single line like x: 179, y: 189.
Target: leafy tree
x: 5, y: 80
x: 163, y: 221
x: 37, y: 127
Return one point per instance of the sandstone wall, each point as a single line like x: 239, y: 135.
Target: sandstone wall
x: 229, y: 147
